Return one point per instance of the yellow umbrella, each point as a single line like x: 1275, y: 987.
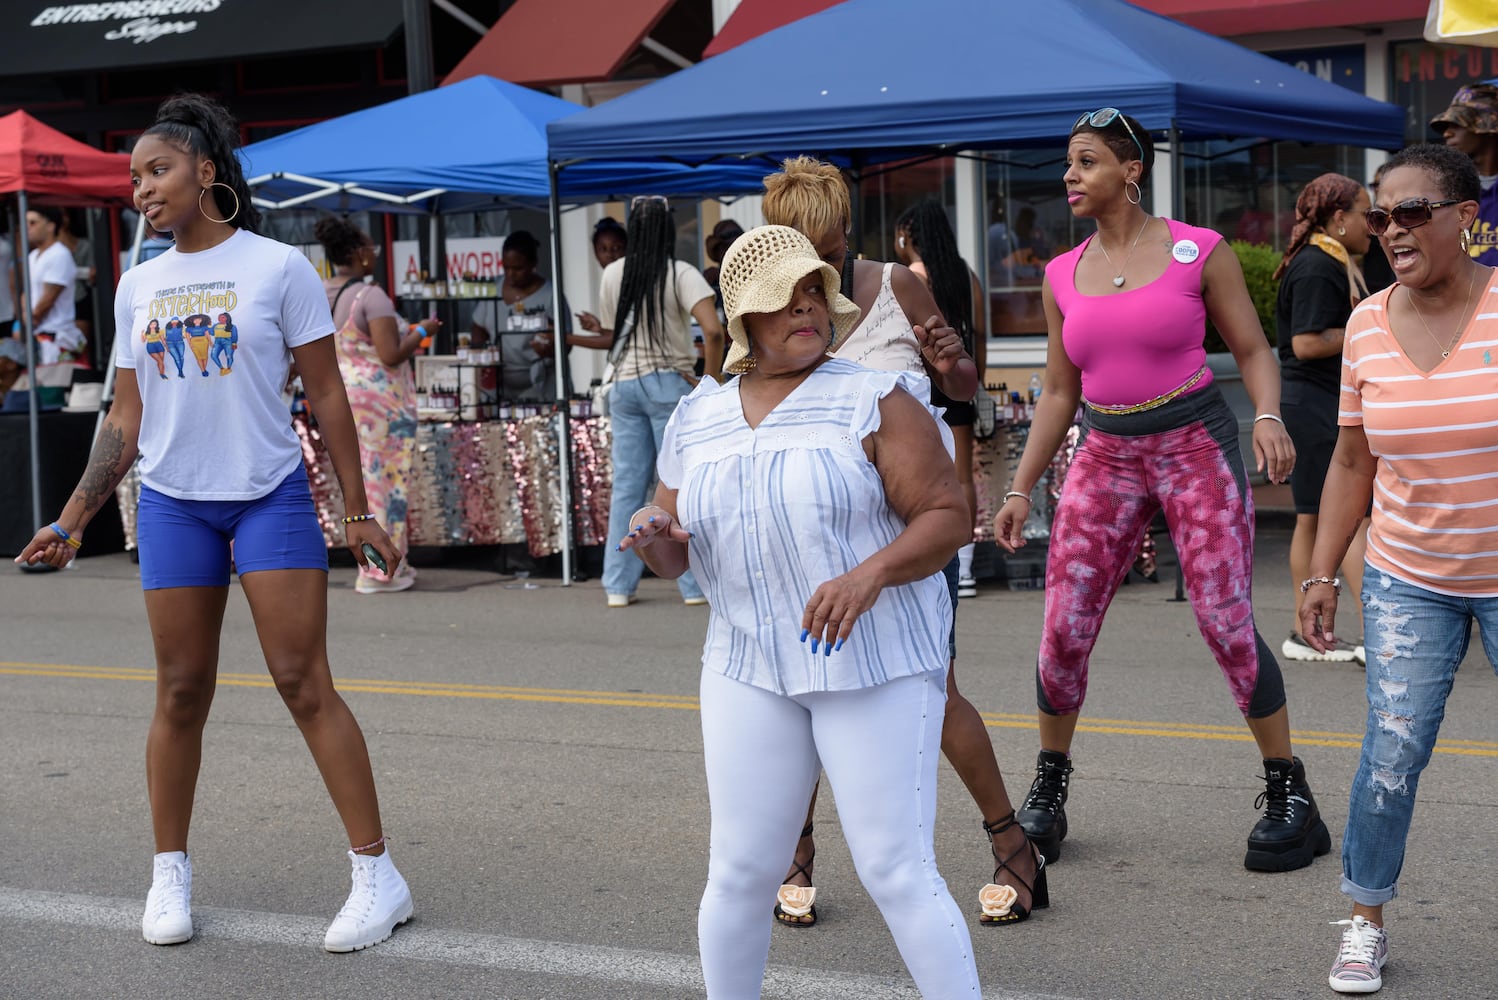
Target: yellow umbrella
x: 1462, y: 22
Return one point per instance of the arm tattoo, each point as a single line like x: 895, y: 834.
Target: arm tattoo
x: 106, y: 467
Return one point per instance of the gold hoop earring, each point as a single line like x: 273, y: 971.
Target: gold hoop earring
x: 1341, y: 230
x: 1138, y: 192
x: 232, y: 193
x: 1466, y: 240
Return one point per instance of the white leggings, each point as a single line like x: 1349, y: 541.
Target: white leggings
x: 880, y: 747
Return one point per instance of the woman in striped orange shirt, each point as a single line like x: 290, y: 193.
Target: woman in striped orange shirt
x: 1418, y: 410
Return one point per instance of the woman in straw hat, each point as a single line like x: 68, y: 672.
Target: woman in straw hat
x: 817, y: 503
x: 897, y: 333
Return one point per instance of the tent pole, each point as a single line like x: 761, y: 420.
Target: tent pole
x: 564, y: 404
x: 32, y: 376
x: 109, y: 369
x: 1177, y: 174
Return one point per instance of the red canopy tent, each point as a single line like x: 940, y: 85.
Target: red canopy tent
x: 40, y: 163
x: 44, y: 164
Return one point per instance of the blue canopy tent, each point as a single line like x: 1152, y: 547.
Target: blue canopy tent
x: 877, y: 80
x: 478, y: 144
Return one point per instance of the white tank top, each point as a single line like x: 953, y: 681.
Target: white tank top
x: 885, y: 339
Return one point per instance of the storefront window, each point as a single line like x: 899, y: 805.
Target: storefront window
x: 1424, y: 77
x: 1248, y: 191
x: 1029, y: 222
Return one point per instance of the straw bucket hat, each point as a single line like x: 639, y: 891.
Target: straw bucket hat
x: 760, y: 273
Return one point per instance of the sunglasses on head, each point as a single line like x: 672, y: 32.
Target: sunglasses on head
x: 643, y: 198
x: 1411, y: 214
x: 1102, y: 118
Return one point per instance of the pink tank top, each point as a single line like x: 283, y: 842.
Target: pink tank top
x: 1142, y: 342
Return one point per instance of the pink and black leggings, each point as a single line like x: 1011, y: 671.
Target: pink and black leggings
x: 1183, y: 458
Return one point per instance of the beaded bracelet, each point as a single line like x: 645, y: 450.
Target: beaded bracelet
x: 58, y: 530
x: 1023, y: 496
x: 356, y: 518
x: 1336, y: 584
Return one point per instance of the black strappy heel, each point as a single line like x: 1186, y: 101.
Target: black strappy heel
x: 794, y: 902
x: 1000, y: 902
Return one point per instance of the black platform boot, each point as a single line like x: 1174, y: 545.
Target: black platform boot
x: 1291, y: 834
x: 1043, y: 814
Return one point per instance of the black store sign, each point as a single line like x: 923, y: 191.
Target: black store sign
x: 37, y: 36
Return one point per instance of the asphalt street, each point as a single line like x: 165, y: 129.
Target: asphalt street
x: 539, y: 765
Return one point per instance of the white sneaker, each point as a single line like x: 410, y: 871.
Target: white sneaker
x: 621, y: 600
x: 168, y: 918
x: 379, y: 903
x: 1296, y: 648
x: 404, y: 579
x: 967, y: 587
x: 1361, y: 957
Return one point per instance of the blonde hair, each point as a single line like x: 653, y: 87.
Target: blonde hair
x: 808, y: 195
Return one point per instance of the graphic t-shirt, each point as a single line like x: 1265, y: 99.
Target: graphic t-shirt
x: 1484, y: 248
x: 213, y: 423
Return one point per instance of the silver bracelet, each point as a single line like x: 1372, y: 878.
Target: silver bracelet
x: 1023, y: 496
x: 1270, y: 416
x: 1335, y: 583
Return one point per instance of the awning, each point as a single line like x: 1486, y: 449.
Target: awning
x: 549, y: 42
x: 753, y: 18
x: 1244, y: 17
x: 45, y: 36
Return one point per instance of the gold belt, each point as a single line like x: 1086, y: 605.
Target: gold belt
x: 1150, y: 404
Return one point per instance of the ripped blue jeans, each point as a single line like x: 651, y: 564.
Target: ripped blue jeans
x: 1415, y: 640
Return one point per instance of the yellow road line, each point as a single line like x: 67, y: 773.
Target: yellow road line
x: 637, y: 699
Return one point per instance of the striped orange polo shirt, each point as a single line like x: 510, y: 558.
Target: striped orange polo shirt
x: 1435, y: 435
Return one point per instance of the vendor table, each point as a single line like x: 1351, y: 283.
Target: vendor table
x: 495, y: 482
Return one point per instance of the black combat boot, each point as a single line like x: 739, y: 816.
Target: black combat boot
x: 1291, y: 834
x: 1043, y: 815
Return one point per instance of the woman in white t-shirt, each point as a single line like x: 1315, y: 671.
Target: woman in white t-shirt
x: 650, y: 300
x: 221, y: 465
x: 51, y: 274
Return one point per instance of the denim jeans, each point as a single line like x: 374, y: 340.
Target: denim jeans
x: 638, y: 411
x: 1415, y: 639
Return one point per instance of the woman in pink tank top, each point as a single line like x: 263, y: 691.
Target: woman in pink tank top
x: 1126, y: 315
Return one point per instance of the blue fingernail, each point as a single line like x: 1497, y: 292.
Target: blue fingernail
x: 804, y: 633
x: 839, y: 644
x: 651, y: 521
x: 814, y: 645
x: 619, y: 547
x: 828, y: 650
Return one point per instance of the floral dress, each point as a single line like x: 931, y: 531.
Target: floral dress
x: 383, y: 400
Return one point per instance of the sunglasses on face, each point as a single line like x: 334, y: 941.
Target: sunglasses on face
x: 1410, y: 214
x: 1102, y: 118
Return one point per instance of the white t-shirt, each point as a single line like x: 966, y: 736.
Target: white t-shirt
x: 684, y: 289
x: 54, y: 266
x: 220, y: 430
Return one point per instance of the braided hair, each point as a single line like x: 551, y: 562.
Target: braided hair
x: 204, y: 128
x: 648, y: 263
x: 340, y: 239
x: 1318, y: 201
x: 946, y: 271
